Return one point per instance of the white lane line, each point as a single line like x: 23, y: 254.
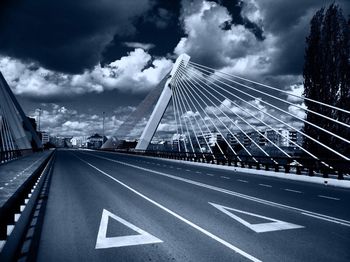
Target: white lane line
x: 328, y: 197
x: 265, y: 185
x: 198, y: 172
x: 292, y: 190
x: 209, y: 174
x: 243, y: 181
x: 233, y: 193
x: 195, y: 226
x: 1, y: 188
x: 188, y: 170
x: 6, y: 184
x: 225, y: 177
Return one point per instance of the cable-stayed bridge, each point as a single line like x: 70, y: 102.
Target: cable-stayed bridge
x: 223, y: 116
x: 229, y: 201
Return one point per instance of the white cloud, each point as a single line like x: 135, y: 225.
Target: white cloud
x: 144, y: 46
x: 60, y: 120
x: 296, y: 90
x: 131, y: 73
x: 298, y: 112
x: 236, y: 50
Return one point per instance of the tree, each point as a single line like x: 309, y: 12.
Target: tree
x: 327, y: 79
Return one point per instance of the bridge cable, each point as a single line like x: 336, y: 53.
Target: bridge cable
x: 181, y: 114
x: 264, y: 152
x: 194, y: 116
x: 209, y: 118
x: 311, y: 138
x: 262, y: 134
x: 306, y: 151
x: 273, y: 88
x: 177, y: 126
x: 195, y: 119
x: 184, y: 115
x: 284, y: 111
x: 219, y: 121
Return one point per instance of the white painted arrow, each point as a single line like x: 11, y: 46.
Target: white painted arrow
x: 121, y: 241
x: 275, y: 225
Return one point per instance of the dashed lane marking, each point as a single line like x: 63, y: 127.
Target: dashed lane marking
x: 265, y: 185
x: 292, y: 190
x: 328, y: 197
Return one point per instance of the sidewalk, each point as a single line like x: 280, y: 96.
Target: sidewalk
x: 14, y: 173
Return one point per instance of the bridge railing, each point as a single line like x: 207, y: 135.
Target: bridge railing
x: 298, y: 164
x: 18, y: 209
x: 8, y: 155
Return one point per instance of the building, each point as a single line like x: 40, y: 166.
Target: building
x: 45, y: 137
x: 95, y: 141
x: 78, y: 141
x: 280, y: 137
x: 210, y: 138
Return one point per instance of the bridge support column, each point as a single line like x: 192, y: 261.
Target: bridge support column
x: 161, y: 105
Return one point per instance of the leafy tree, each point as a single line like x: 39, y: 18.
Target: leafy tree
x: 327, y: 79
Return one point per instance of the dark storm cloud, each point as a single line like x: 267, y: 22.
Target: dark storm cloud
x: 159, y: 26
x: 234, y: 7
x: 65, y: 35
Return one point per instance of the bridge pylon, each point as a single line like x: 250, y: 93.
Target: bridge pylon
x: 161, y: 105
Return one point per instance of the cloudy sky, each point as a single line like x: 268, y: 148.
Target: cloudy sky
x: 76, y: 59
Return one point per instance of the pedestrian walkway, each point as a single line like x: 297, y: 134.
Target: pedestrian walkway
x: 14, y: 173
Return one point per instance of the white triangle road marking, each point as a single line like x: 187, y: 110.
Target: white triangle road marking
x: 275, y: 225
x: 103, y: 241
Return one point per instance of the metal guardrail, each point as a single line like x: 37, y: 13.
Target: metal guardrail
x: 8, y: 155
x: 297, y: 164
x: 13, y: 206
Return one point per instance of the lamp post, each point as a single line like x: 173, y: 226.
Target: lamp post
x: 39, y: 119
x: 103, y: 125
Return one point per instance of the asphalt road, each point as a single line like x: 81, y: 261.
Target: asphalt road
x: 114, y: 207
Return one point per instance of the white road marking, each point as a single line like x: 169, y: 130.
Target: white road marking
x: 198, y: 172
x: 265, y: 185
x: 275, y: 225
x: 188, y: 170
x: 243, y: 181
x: 103, y: 241
x: 328, y: 197
x: 225, y: 177
x: 207, y: 233
x: 178, y: 168
x: 291, y: 190
x: 209, y: 174
x: 1, y: 188
x: 233, y: 193
x: 6, y: 184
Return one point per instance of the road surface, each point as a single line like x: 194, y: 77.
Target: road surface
x: 115, y: 207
